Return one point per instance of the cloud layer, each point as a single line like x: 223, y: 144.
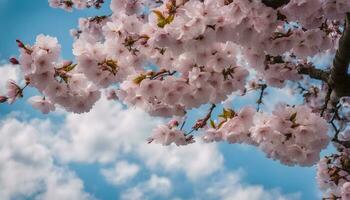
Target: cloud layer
x: 27, y: 165
x: 37, y: 151
x: 8, y: 71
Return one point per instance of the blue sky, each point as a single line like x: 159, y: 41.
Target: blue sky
x: 83, y: 147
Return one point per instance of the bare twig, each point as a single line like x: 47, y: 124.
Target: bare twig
x: 260, y: 100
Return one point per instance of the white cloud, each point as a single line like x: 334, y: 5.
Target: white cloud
x: 155, y: 186
x: 104, y: 133
x: 109, y: 131
x: 27, y: 166
x: 121, y: 173
x: 284, y: 95
x: 230, y: 187
x: 159, y: 185
x: 323, y: 59
x: 196, y: 160
x: 8, y: 71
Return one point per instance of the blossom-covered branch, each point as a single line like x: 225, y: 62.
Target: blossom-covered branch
x: 171, y: 56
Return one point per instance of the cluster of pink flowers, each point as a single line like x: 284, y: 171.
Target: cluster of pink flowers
x: 312, y: 13
x: 333, y: 175
x: 292, y: 135
x: 197, y: 46
x: 57, y: 80
x: 345, y: 191
x: 13, y: 91
x: 170, y: 56
x: 168, y: 134
x: 315, y: 98
x: 203, y: 52
x: 232, y: 127
x: 79, y: 4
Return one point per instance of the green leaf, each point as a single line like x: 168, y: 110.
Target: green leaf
x: 139, y: 79
x: 221, y: 123
x: 212, y: 124
x: 293, y: 117
x: 161, y: 20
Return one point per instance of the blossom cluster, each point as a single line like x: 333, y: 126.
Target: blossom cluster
x: 200, y: 50
x: 233, y: 127
x: 312, y: 13
x: 79, y: 4
x: 169, y: 133
x: 333, y: 176
x: 292, y: 135
x: 58, y: 81
x: 170, y: 56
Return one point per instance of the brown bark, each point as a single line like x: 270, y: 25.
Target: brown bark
x: 275, y: 3
x: 314, y: 73
x: 339, y: 78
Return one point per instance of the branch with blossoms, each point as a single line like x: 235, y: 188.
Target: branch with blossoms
x: 206, y: 51
x: 79, y: 4
x: 168, y: 134
x: 339, y: 77
x: 201, y: 123
x: 14, y: 92
x: 153, y: 75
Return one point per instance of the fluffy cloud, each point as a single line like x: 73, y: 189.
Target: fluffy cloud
x: 156, y: 186
x: 27, y: 166
x: 229, y: 186
x: 8, y: 71
x: 196, y: 160
x: 122, y: 172
x: 109, y: 131
x: 104, y: 133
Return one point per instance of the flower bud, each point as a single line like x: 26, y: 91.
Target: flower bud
x: 3, y: 99
x: 14, y: 61
x: 20, y: 44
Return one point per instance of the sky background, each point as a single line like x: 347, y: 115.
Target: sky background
x: 103, y: 154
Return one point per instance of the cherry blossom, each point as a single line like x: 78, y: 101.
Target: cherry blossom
x: 172, y: 56
x: 42, y: 104
x: 167, y: 134
x: 13, y: 91
x: 345, y: 191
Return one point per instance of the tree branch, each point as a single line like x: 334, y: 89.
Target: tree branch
x: 339, y: 78
x: 313, y: 72
x: 275, y: 3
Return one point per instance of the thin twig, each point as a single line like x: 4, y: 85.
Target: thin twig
x: 260, y: 100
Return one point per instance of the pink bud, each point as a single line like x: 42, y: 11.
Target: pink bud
x: 173, y: 123
x: 20, y: 44
x: 14, y: 61
x: 3, y: 99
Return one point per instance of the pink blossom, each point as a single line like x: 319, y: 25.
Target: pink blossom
x: 13, y: 91
x: 42, y: 104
